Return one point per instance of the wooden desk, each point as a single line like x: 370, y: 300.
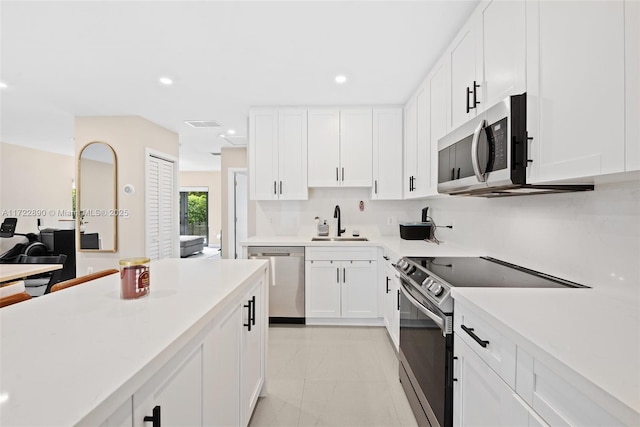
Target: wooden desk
x: 18, y: 271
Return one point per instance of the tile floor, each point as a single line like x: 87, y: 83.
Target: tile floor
x: 332, y: 376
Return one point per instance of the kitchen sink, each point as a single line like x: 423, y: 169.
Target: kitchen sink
x: 339, y: 239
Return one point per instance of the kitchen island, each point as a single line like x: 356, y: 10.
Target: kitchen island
x: 83, y: 356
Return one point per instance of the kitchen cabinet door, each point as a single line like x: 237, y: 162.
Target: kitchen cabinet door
x: 387, y: 154
x: 481, y: 397
x: 502, y: 50
x: 422, y: 183
x: 292, y: 154
x: 221, y: 357
x: 121, y: 417
x: 322, y: 289
x: 175, y: 390
x: 323, y: 148
x: 356, y: 147
x: 263, y: 154
x: 391, y: 299
x: 359, y: 289
x: 252, y: 349
x: 463, y: 75
x: 632, y: 83
x: 410, y: 146
x: 439, y: 98
x: 575, y: 89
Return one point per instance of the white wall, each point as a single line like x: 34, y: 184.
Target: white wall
x: 592, y: 237
x: 35, y: 179
x: 128, y: 136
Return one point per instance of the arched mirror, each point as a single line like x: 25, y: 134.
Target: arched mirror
x: 96, y: 199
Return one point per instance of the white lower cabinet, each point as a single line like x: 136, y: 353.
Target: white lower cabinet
x: 214, y: 380
x: 391, y: 302
x: 481, y: 397
x: 173, y: 395
x: 498, y: 383
x: 339, y: 288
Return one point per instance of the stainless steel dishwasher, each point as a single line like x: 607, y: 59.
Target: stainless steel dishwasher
x: 286, y: 293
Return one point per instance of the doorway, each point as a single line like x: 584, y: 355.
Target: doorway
x: 238, y: 211
x: 194, y: 212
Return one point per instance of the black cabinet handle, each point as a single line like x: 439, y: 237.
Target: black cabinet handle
x: 344, y: 275
x: 475, y: 94
x: 280, y: 187
x: 248, y: 324
x: 476, y: 338
x: 253, y: 310
x: 458, y: 174
x: 386, y: 258
x: 343, y: 174
x: 453, y: 174
x: 468, y: 95
x: 155, y: 418
x: 337, y: 275
x: 375, y: 184
x: 337, y: 177
x: 398, y: 299
x: 275, y: 188
x: 387, y: 284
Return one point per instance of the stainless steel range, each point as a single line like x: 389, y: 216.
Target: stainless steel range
x: 426, y: 323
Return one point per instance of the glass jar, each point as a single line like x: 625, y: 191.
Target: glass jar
x: 134, y: 278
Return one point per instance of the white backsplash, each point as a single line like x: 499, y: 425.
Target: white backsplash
x: 589, y: 237
x: 296, y: 218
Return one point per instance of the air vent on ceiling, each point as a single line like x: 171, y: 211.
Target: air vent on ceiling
x: 203, y: 123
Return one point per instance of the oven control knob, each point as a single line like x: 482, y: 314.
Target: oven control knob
x: 427, y: 282
x: 411, y: 269
x: 437, y: 290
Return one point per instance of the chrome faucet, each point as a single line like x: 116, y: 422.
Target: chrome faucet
x: 336, y: 214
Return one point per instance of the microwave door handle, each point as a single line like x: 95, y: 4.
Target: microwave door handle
x: 474, y: 151
x: 431, y: 315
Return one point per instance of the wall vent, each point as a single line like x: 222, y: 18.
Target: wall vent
x: 203, y: 123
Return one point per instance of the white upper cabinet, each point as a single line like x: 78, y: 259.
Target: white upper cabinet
x: 439, y: 91
x: 632, y: 83
x: 575, y: 89
x: 292, y: 154
x: 501, y: 51
x: 410, y: 146
x: 340, y: 148
x: 387, y: 154
x: 324, y: 148
x: 356, y: 147
x: 278, y: 154
x: 464, y: 75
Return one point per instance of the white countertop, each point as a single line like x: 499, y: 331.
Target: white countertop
x: 395, y: 245
x: 63, y: 354
x: 590, y: 336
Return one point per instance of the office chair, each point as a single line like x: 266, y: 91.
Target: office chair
x: 41, y: 284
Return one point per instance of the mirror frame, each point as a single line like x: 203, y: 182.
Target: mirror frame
x: 79, y: 199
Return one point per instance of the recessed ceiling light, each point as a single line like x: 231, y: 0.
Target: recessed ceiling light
x: 231, y: 132
x: 3, y: 85
x: 221, y: 135
x: 341, y: 79
x: 165, y: 81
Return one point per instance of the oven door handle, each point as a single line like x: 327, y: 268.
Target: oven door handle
x: 430, y: 314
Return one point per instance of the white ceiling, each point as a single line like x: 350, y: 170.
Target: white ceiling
x: 85, y: 58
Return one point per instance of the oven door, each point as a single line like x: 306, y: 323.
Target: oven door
x: 426, y: 358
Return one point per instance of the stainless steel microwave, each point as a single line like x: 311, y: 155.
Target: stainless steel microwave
x: 487, y: 156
